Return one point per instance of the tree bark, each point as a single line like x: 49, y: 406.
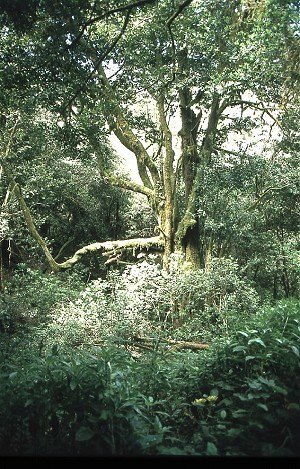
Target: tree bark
x: 151, y: 343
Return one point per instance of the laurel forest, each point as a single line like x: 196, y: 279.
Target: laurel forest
x: 149, y: 250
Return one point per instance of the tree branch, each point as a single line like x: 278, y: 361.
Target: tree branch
x: 28, y: 219
x: 130, y: 6
x: 114, y: 247
x: 177, y: 12
x: 63, y: 248
x: 151, y: 343
x: 168, y: 24
x: 124, y: 133
x: 251, y: 104
x: 126, y: 184
x: 98, y: 61
x: 266, y: 191
x: 110, y: 248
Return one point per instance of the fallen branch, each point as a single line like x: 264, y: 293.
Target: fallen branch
x: 150, y: 343
x: 180, y: 345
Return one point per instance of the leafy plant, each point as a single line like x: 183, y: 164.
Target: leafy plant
x: 76, y: 404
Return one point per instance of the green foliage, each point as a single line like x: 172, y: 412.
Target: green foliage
x: 209, y: 302
x: 241, y: 52
x: 69, y: 384
x: 76, y: 404
x: 239, y: 398
x: 139, y: 219
x: 193, y: 304
x: 29, y: 295
x: 253, y: 375
x: 249, y: 212
x: 141, y: 301
x: 61, y: 183
x: 102, y: 313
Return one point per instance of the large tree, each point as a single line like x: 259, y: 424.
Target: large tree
x: 175, y: 83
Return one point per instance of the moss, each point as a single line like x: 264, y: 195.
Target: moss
x: 187, y: 222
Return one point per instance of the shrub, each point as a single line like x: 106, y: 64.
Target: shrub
x: 100, y: 314
x: 254, y: 376
x: 211, y: 302
x: 76, y: 404
x: 30, y: 294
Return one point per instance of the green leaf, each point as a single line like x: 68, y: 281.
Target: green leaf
x: 255, y: 385
x: 84, y: 434
x: 227, y: 387
x: 104, y: 414
x: 239, y: 413
x: 295, y: 350
x: 220, y: 426
x: 233, y: 432
x: 241, y: 397
x: 211, y: 449
x: 129, y: 403
x: 281, y: 390
x: 256, y: 341
x: 263, y: 406
x: 249, y: 357
x: 293, y: 406
x: 173, y: 451
x: 268, y: 382
x: 223, y: 414
x: 137, y: 410
x: 73, y: 385
x: 239, y: 348
x: 149, y: 440
x: 226, y: 401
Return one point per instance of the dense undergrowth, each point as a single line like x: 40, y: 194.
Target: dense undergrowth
x: 75, y: 381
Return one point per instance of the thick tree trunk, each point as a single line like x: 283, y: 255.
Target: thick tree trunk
x: 191, y: 244
x: 190, y: 235
x: 168, y: 184
x: 194, y: 160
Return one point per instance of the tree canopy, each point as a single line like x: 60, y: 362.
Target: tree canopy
x: 199, y: 93
x: 149, y: 227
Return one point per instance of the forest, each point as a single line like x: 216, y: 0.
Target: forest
x: 150, y: 228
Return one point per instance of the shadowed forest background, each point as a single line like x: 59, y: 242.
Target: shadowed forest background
x: 149, y: 228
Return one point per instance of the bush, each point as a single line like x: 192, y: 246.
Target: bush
x: 76, y: 404
x: 30, y: 294
x: 211, y: 302
x: 59, y: 394
x: 254, y: 376
x: 146, y: 301
x: 101, y: 314
x: 189, y: 304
